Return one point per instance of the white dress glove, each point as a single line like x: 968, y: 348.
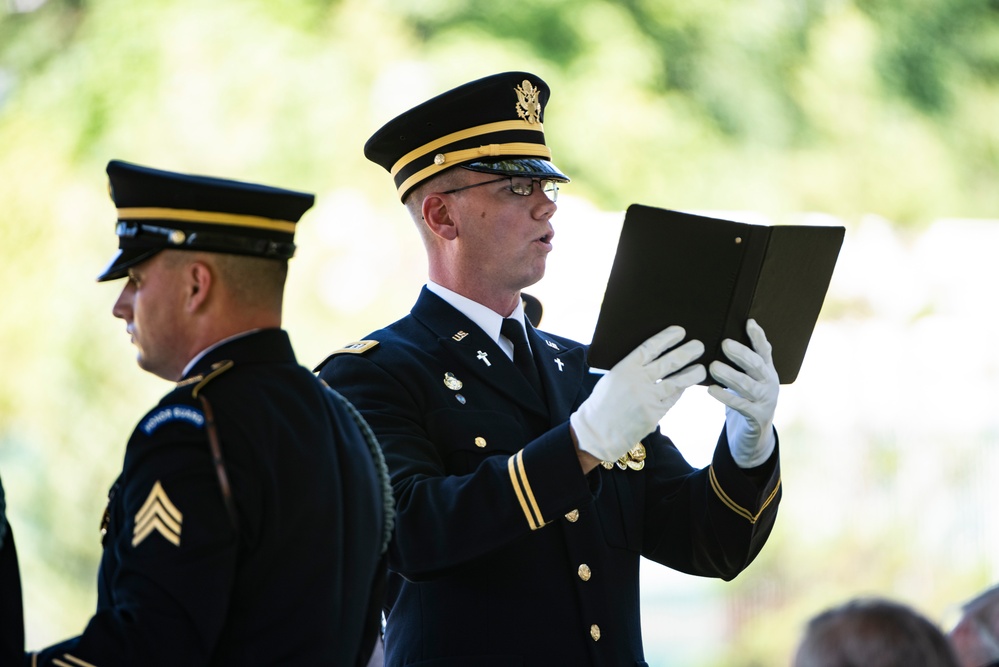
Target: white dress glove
x: 751, y: 397
x: 628, y: 402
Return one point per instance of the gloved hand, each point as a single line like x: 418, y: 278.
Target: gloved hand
x: 751, y: 397
x: 628, y: 402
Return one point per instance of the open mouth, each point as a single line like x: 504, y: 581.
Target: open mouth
x: 547, y: 238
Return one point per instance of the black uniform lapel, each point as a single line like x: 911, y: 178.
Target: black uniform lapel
x: 561, y: 372
x: 475, y: 351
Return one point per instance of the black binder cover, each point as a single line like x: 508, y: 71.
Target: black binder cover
x: 709, y: 276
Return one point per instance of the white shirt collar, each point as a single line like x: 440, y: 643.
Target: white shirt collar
x: 487, y: 319
x: 199, y: 355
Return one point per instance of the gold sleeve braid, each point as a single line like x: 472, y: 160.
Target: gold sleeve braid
x: 522, y: 489
x: 734, y: 506
x: 73, y: 661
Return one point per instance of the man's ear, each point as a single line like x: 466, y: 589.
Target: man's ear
x: 437, y: 217
x: 200, y: 280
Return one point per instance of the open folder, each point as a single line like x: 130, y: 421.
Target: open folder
x: 709, y: 276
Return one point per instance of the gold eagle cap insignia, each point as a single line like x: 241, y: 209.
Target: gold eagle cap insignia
x: 528, y: 106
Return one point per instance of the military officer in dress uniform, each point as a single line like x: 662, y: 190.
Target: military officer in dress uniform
x: 249, y: 520
x: 526, y: 486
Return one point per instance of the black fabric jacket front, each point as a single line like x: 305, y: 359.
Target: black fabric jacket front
x: 291, y: 582
x: 504, y: 552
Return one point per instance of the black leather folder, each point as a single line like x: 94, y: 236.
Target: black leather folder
x: 709, y: 276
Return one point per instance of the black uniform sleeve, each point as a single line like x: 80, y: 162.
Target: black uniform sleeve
x: 445, y: 520
x: 175, y: 554
x: 708, y: 522
x: 11, y: 608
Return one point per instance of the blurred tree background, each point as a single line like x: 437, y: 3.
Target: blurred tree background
x: 879, y: 113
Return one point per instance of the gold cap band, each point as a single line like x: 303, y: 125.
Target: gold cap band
x: 206, y: 217
x: 489, y: 150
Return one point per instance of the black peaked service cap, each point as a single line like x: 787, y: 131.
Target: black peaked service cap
x: 493, y: 125
x: 160, y: 210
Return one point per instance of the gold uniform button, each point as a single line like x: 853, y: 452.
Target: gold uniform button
x: 584, y: 572
x: 595, y: 632
x: 480, y: 441
x: 572, y: 516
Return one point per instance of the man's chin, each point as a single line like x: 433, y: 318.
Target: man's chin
x: 533, y: 279
x: 155, y: 369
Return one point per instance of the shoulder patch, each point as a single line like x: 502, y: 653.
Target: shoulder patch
x: 359, y: 347
x: 172, y: 413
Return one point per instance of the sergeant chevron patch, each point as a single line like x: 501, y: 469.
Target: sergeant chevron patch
x: 160, y: 515
x: 71, y: 661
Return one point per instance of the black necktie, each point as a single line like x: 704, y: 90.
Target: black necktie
x: 522, y: 357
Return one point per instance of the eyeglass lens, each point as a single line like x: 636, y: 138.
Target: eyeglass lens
x: 525, y: 187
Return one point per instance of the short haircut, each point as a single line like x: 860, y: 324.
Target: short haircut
x: 446, y: 180
x: 253, y: 282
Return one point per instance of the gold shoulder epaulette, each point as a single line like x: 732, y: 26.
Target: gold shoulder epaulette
x: 359, y: 347
x: 218, y: 368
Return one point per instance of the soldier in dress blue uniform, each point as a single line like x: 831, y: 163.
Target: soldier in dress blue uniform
x: 527, y: 487
x: 248, y: 524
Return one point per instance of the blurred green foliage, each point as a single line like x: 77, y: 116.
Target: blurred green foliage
x: 846, y: 107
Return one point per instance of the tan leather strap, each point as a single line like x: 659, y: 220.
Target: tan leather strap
x: 220, y: 471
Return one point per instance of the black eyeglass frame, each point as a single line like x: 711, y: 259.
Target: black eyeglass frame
x: 551, y: 193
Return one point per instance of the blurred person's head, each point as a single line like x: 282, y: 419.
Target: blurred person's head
x: 873, y: 633
x: 975, y: 638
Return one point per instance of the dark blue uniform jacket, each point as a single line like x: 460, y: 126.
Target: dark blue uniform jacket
x: 290, y: 580
x: 11, y: 614
x: 504, y: 552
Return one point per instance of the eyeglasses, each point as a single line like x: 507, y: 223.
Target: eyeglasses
x: 519, y: 185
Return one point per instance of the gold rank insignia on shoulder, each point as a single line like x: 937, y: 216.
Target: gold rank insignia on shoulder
x: 358, y: 347
x: 634, y: 459
x: 159, y: 515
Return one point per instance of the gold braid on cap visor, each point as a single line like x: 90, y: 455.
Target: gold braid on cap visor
x: 525, y: 148
x: 207, y: 217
